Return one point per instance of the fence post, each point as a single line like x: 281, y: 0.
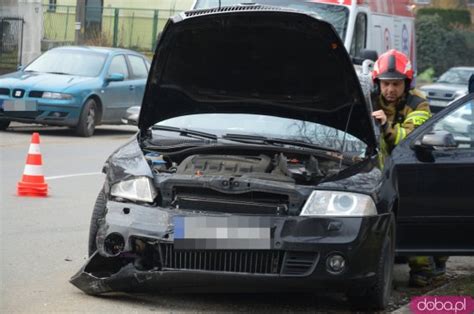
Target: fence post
x: 131, y: 30
x: 67, y: 21
x: 116, y: 20
x: 155, y: 28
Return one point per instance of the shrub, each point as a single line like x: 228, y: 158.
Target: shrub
x: 448, y: 17
x: 440, y: 46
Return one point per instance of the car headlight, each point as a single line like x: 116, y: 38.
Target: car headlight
x: 333, y: 203
x: 51, y: 95
x: 139, y: 189
x: 459, y: 94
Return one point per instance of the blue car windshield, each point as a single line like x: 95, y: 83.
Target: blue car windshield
x: 69, y: 62
x: 337, y: 15
x: 270, y: 127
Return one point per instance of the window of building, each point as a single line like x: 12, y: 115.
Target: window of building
x: 52, y: 5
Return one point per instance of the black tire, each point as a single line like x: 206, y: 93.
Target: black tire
x: 87, y: 120
x: 97, y: 214
x: 4, y: 124
x: 377, y: 297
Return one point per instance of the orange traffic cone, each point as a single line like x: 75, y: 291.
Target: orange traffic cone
x: 32, y: 182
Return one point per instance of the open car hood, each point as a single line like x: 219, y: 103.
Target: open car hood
x: 256, y: 60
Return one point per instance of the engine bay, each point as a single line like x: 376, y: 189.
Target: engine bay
x: 266, y: 181
x: 297, y: 169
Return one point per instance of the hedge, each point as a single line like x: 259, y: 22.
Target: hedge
x: 448, y: 16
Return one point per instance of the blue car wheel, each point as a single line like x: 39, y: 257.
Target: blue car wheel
x: 4, y: 124
x: 87, y: 120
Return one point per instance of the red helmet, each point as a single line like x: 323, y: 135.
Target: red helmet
x: 392, y: 65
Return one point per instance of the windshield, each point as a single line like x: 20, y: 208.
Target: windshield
x: 69, y: 62
x: 456, y: 76
x: 270, y: 127
x: 337, y: 15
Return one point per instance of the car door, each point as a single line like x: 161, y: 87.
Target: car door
x: 139, y: 76
x: 436, y: 184
x: 117, y: 95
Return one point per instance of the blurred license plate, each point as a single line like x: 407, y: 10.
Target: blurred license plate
x: 221, y: 233
x: 438, y: 103
x: 20, y: 105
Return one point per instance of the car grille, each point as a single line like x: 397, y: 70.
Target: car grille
x: 36, y: 94
x: 299, y: 263
x: 260, y: 203
x: 272, y: 262
x: 440, y: 94
x: 235, y: 8
x: 4, y: 91
x: 235, y: 261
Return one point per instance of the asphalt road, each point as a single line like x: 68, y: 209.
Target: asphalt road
x: 44, y: 240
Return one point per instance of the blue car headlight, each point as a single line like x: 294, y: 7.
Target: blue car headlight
x: 52, y: 95
x: 339, y: 204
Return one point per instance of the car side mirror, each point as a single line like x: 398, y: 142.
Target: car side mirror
x: 435, y: 79
x: 436, y: 140
x: 115, y: 77
x: 20, y: 68
x: 365, y: 54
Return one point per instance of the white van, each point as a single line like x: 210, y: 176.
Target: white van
x: 377, y: 25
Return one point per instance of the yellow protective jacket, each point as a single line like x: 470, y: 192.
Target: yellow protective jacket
x: 410, y: 112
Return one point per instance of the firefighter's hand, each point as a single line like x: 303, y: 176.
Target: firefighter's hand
x: 380, y: 116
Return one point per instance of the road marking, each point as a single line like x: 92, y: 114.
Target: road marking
x: 73, y: 175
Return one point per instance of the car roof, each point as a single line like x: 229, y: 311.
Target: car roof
x: 106, y: 50
x: 463, y: 68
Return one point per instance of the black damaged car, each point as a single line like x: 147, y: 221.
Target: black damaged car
x: 255, y: 167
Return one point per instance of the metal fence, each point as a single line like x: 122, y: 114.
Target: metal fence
x: 119, y: 27
x: 11, y: 38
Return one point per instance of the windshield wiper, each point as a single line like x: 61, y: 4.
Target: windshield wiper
x: 272, y: 141
x: 60, y: 73
x: 185, y: 132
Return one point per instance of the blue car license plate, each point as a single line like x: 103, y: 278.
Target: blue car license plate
x: 221, y: 233
x: 20, y: 105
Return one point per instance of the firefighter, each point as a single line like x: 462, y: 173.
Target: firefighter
x: 399, y: 110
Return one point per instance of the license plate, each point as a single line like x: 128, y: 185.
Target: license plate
x: 221, y: 233
x: 20, y: 105
x: 438, y: 103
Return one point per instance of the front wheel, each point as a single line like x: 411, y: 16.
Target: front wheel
x: 97, y: 215
x: 4, y: 124
x: 378, y: 296
x: 87, y: 119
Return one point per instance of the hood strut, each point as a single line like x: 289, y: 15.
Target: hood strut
x: 345, y: 133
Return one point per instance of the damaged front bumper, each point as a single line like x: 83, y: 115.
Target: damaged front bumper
x: 141, y: 249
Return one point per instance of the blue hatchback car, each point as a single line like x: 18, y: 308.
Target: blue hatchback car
x: 79, y: 87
